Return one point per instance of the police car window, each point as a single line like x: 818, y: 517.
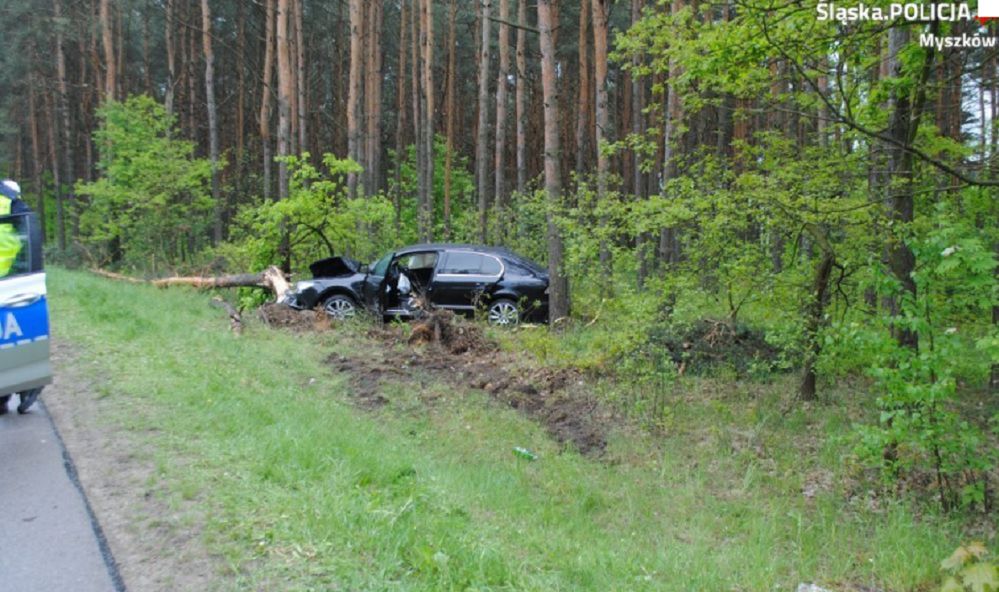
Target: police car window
x: 462, y: 263
x: 14, y: 247
x: 490, y: 266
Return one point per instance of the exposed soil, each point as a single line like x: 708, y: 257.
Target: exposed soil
x: 709, y: 343
x: 154, y: 547
x: 285, y: 317
x: 442, y: 348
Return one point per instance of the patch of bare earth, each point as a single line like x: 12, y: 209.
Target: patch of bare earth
x: 155, y: 543
x: 450, y: 350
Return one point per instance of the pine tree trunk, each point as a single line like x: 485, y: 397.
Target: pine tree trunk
x: 585, y: 96
x: 66, y: 136
x: 668, y: 244
x: 285, y: 91
x: 521, y: 96
x: 213, y: 125
x: 502, y: 86
x: 451, y: 112
x: 302, y: 113
x: 171, y: 52
x: 265, y: 97
x: 426, y: 180
x: 36, y: 152
x: 373, y: 99
x: 110, y: 59
x: 482, y: 136
x: 354, y: 91
x: 400, y: 116
x: 600, y: 9
x: 558, y: 284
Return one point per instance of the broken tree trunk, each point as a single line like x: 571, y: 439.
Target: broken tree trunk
x: 271, y: 279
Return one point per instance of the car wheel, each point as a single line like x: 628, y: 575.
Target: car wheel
x: 340, y: 307
x: 503, y: 313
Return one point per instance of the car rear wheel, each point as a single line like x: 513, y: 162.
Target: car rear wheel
x: 340, y: 307
x: 503, y: 313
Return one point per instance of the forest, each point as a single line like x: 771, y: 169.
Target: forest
x: 682, y: 167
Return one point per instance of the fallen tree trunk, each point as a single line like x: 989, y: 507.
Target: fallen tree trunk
x: 270, y: 279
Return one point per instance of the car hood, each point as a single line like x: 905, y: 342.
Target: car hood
x: 334, y: 267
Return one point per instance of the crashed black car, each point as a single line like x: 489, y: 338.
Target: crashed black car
x: 507, y: 287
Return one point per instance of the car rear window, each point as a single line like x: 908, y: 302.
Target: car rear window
x: 490, y: 266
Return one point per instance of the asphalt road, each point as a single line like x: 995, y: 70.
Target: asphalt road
x: 49, y: 541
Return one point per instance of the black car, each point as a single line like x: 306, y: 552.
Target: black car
x: 509, y: 288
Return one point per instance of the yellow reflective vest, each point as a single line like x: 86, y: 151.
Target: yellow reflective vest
x: 10, y: 243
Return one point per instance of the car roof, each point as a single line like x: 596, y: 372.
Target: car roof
x: 492, y: 250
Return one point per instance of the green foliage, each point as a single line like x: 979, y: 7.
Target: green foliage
x: 920, y: 425
x: 318, y: 219
x: 970, y: 570
x: 151, y: 206
x: 464, y: 220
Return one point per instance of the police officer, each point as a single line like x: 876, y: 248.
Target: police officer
x: 10, y: 246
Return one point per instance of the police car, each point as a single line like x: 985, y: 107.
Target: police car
x: 24, y: 318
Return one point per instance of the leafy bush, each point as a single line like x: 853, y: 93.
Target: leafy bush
x: 151, y: 206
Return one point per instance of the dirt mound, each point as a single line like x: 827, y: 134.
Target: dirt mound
x: 558, y: 399
x: 285, y: 317
x: 443, y: 329
x: 708, y: 344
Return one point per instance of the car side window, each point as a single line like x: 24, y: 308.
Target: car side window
x: 16, y: 248
x: 490, y: 266
x: 462, y: 263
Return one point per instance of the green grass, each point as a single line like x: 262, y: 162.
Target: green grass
x: 300, y: 490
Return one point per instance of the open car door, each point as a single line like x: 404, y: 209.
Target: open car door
x: 24, y: 317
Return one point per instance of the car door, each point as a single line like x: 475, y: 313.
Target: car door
x: 462, y: 278
x: 374, y: 283
x: 24, y: 319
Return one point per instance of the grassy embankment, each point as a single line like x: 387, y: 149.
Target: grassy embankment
x: 302, y: 490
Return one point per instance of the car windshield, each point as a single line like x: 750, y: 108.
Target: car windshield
x: 379, y: 267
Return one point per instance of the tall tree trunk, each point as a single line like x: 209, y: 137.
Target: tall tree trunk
x: 400, y: 115
x: 213, y: 125
x: 354, y: 91
x: 54, y: 162
x: 668, y: 244
x: 450, y: 111
x: 600, y: 9
x: 482, y: 136
x: 110, y: 59
x: 266, y: 94
x: 426, y: 178
x: 638, y: 130
x: 240, y: 85
x: 302, y: 112
x: 66, y: 136
x: 584, y: 98
x: 36, y: 151
x: 373, y: 98
x: 171, y: 51
x: 502, y: 89
x: 816, y: 306
x: 521, y: 96
x: 558, y: 284
x: 502, y: 86
x: 905, y: 113
x: 147, y: 76
x: 285, y: 91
